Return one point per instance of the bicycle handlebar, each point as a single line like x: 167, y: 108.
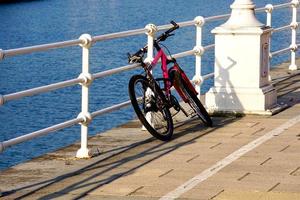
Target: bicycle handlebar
x: 137, y: 56
x: 166, y: 34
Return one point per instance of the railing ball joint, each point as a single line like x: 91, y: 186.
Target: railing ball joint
x: 1, y: 54
x: 295, y: 3
x: 1, y: 147
x: 86, y: 78
x: 86, y: 118
x: 87, y: 40
x: 197, y: 80
x: 294, y: 25
x: 199, y: 21
x: 151, y: 29
x: 270, y: 55
x: 199, y: 50
x: 294, y: 47
x: 1, y: 100
x: 269, y: 8
x: 148, y: 60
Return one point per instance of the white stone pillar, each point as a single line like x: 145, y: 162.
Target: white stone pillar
x: 241, y: 83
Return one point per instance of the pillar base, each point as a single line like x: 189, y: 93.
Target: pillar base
x: 83, y: 153
x: 293, y: 67
x: 262, y: 101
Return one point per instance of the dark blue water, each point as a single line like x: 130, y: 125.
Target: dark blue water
x: 44, y: 21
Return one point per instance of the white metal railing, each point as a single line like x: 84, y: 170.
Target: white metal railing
x: 294, y: 4
x: 85, y: 79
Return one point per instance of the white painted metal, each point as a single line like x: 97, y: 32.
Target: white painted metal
x: 284, y: 5
x: 1, y: 54
x: 111, y: 109
x: 151, y: 31
x: 31, y: 49
x: 183, y: 24
x: 201, y: 79
x: 282, y: 28
x: 183, y: 54
x: 269, y: 9
x: 275, y: 7
x: 83, y: 152
x: 281, y: 51
x: 242, y: 14
x: 118, y: 35
x: 199, y: 50
x: 86, y: 78
x: 135, y: 66
x: 40, y: 90
x: 1, y: 100
x: 26, y: 137
x: 241, y: 81
x: 215, y: 18
x: 167, y: 26
x: 211, y: 46
x: 294, y: 26
x: 25, y: 50
x: 63, y: 84
x: 115, y: 71
x: 207, y: 76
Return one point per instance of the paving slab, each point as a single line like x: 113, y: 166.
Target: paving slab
x: 129, y: 163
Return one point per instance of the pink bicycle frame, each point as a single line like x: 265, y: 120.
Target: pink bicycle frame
x: 161, y: 55
x: 167, y: 84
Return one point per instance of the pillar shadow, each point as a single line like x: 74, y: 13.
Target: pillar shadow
x: 223, y: 80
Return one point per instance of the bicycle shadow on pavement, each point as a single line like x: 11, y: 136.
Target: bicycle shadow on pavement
x: 101, y: 172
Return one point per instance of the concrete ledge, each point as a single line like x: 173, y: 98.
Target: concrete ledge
x: 273, y: 111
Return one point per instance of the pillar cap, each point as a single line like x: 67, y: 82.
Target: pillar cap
x: 242, y: 15
x: 246, y: 4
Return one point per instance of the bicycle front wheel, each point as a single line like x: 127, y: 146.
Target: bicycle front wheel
x: 150, y: 106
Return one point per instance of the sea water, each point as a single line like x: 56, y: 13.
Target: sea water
x: 27, y: 23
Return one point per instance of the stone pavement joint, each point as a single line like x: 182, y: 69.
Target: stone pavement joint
x: 129, y: 164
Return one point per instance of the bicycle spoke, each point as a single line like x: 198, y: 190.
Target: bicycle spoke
x: 150, y: 108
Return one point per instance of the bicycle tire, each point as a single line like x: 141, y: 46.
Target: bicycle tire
x: 193, y: 100
x: 161, y: 124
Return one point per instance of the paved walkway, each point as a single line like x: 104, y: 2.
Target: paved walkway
x: 250, y: 157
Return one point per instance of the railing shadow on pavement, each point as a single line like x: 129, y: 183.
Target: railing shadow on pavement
x: 155, y: 150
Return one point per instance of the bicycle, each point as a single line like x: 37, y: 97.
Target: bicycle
x: 152, y: 103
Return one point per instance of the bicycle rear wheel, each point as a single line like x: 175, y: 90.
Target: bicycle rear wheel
x: 192, y: 99
x: 149, y: 105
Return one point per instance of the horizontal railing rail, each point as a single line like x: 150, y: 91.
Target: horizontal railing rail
x: 85, y: 78
x: 283, y: 28
x: 294, y: 4
x: 38, y: 48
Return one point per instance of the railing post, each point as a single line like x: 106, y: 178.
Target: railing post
x: 151, y: 29
x: 294, y: 26
x: 83, y: 152
x: 269, y: 9
x: 199, y: 50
